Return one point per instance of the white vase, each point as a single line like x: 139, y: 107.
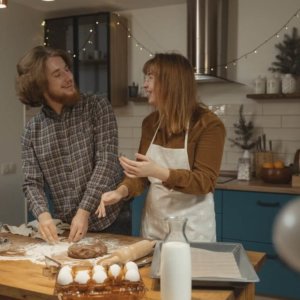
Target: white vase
x: 288, y: 84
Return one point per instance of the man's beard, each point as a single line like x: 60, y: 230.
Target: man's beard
x: 67, y: 100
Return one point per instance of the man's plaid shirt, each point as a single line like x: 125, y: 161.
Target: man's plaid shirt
x: 75, y: 154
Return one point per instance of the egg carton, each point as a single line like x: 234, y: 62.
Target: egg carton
x: 113, y: 287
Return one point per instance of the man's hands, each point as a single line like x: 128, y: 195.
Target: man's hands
x: 47, y: 228
x: 110, y: 198
x: 79, y: 225
x: 78, y: 229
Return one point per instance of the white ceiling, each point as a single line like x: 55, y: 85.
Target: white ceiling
x: 93, y: 5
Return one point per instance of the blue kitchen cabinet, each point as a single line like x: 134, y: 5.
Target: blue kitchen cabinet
x: 137, y: 206
x: 248, y: 218
x: 218, y: 210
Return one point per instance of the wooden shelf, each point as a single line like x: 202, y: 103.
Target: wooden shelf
x: 274, y: 96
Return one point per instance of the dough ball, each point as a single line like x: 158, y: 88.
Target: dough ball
x: 84, y: 251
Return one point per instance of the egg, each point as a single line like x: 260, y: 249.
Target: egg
x: 132, y: 275
x: 65, y: 276
x: 114, y: 270
x: 99, y: 276
x: 97, y: 268
x: 82, y: 277
x: 131, y: 265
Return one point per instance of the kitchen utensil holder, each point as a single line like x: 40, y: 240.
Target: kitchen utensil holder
x: 260, y: 158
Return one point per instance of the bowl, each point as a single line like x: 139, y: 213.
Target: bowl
x: 276, y: 175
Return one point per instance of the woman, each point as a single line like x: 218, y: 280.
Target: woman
x: 180, y: 154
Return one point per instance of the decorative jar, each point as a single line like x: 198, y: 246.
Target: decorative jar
x: 288, y: 84
x: 260, y: 85
x: 273, y: 85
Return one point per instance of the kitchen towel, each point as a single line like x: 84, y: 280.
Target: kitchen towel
x: 31, y: 228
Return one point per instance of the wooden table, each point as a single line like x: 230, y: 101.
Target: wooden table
x: 23, y: 279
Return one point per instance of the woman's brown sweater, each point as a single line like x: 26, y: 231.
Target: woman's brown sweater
x: 206, y: 139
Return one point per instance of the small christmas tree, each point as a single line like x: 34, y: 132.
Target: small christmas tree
x: 244, y: 131
x: 288, y: 61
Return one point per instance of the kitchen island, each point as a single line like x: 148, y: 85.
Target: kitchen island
x: 23, y: 279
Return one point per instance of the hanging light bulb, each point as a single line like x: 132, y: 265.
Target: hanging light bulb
x: 3, y: 3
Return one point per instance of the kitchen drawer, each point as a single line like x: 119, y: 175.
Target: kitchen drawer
x: 276, y: 278
x: 249, y: 216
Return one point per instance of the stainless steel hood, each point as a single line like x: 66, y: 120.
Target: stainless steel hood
x: 207, y: 38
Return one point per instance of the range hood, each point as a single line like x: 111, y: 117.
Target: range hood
x: 207, y: 38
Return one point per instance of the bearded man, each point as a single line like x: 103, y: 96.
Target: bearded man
x: 70, y: 147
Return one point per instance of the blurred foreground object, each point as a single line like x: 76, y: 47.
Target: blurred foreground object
x: 286, y: 234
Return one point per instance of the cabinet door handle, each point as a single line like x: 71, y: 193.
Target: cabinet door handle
x: 268, y: 204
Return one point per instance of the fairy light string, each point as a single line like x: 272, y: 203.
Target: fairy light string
x: 88, y: 41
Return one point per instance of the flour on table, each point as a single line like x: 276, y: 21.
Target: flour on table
x: 36, y: 252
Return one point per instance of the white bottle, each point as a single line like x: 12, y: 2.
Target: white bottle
x: 176, y: 265
x: 260, y: 85
x: 288, y: 84
x: 175, y: 277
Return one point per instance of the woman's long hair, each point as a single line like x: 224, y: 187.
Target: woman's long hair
x: 174, y: 88
x: 31, y: 81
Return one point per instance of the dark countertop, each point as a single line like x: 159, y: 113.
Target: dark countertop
x: 256, y: 185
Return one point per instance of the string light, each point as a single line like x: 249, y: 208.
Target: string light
x: 142, y: 47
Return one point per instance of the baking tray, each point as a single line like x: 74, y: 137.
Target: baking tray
x: 245, y: 267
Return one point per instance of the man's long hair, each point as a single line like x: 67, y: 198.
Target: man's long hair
x: 31, y: 81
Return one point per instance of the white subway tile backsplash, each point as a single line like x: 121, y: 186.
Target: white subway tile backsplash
x: 278, y: 119
x: 284, y: 134
x: 128, y: 122
x: 291, y: 121
x: 137, y: 132
x: 125, y: 132
x: 282, y: 107
x: 267, y: 121
x: 129, y: 143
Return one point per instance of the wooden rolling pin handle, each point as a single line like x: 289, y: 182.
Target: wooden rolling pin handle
x: 131, y: 252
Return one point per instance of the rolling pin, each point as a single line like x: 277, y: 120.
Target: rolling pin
x: 129, y: 253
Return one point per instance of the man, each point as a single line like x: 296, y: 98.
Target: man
x: 70, y: 147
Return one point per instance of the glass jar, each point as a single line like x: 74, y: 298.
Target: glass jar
x: 273, y: 85
x: 176, y: 266
x: 260, y: 85
x: 288, y: 84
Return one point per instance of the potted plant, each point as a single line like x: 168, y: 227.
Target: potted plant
x: 244, y: 131
x: 288, y: 61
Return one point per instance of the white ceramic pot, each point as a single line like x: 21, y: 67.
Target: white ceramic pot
x: 288, y: 84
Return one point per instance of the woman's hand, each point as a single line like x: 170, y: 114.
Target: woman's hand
x: 110, y: 198
x: 79, y: 225
x: 143, y: 167
x: 47, y: 228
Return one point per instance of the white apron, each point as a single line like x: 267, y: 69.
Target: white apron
x: 162, y: 202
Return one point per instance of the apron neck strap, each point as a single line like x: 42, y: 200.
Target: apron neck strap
x: 185, y: 137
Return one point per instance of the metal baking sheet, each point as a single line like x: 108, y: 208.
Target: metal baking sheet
x: 245, y: 267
